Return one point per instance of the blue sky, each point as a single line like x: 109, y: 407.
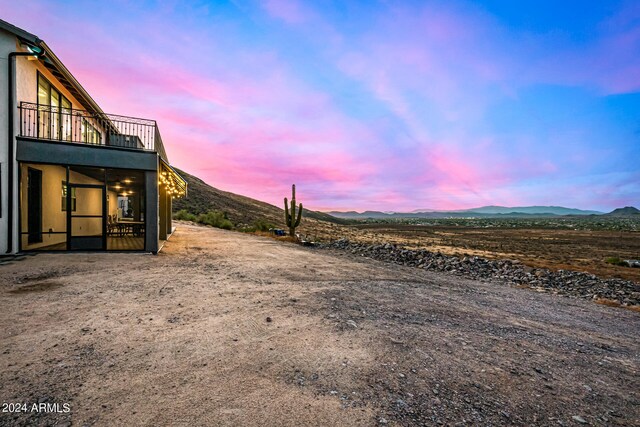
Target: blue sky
x: 373, y: 105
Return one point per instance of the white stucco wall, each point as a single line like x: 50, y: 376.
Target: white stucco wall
x: 7, y: 44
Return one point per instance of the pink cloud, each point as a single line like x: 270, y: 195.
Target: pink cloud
x: 250, y: 119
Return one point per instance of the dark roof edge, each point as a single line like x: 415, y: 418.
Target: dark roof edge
x: 55, y: 61
x: 19, y: 32
x: 52, y: 59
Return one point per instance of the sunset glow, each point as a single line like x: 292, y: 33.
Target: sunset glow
x: 372, y: 105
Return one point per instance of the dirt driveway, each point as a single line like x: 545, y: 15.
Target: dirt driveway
x: 229, y: 329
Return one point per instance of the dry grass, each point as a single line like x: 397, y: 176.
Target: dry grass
x: 539, y: 248
x: 608, y: 302
x: 286, y: 239
x: 262, y: 233
x: 613, y: 303
x: 273, y: 236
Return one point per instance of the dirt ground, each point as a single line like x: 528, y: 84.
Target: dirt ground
x: 223, y: 328
x: 578, y: 250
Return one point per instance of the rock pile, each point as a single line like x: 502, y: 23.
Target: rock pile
x: 510, y: 272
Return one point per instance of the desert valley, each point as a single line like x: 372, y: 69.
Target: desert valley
x: 272, y: 213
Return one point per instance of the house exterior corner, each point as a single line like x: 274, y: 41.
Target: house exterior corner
x: 73, y: 177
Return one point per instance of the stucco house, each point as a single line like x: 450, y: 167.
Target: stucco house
x: 73, y: 177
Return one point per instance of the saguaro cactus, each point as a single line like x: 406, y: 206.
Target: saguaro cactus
x: 290, y: 218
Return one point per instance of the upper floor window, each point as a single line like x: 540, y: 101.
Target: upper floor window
x: 54, y: 112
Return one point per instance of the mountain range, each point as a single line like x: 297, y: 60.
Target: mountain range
x: 485, y: 212
x: 535, y: 210
x: 245, y: 210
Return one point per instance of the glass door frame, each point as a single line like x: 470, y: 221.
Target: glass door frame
x: 70, y: 214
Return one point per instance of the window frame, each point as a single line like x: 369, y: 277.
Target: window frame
x: 61, y: 100
x: 65, y: 188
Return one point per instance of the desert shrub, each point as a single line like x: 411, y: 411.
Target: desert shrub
x: 259, y: 226
x: 183, y: 215
x: 215, y: 219
x: 262, y: 225
x: 615, y: 261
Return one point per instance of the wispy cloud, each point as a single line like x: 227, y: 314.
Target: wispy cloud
x: 367, y: 106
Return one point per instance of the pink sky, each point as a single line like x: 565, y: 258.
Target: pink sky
x: 369, y: 106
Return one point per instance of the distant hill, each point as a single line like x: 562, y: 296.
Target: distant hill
x: 482, y: 212
x: 532, y: 210
x: 240, y: 209
x: 245, y: 210
x: 626, y: 211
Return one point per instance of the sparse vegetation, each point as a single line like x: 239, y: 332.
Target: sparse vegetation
x: 262, y: 225
x: 184, y: 215
x: 212, y: 218
x: 552, y: 248
x: 587, y: 222
x: 215, y: 219
x: 615, y: 261
x: 286, y: 239
x: 258, y: 226
x: 579, y: 243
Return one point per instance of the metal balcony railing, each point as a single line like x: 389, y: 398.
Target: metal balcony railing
x: 89, y: 127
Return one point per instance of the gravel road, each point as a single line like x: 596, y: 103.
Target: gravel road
x: 223, y: 328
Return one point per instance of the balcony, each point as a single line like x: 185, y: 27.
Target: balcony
x: 89, y: 127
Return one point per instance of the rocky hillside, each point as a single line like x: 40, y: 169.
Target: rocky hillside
x: 239, y: 209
